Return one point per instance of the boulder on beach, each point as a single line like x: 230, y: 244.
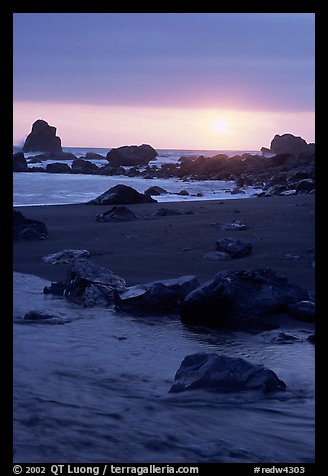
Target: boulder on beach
x: 164, y: 212
x: 42, y: 138
x: 117, y: 214
x: 157, y: 297
x: 81, y: 166
x: 155, y: 190
x: 130, y: 155
x: 88, y: 285
x: 110, y: 170
x: 241, y: 299
x: 234, y: 247
x: 58, y: 168
x: 27, y: 229
x: 122, y: 195
x: 221, y: 373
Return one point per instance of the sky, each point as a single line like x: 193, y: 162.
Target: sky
x: 171, y: 80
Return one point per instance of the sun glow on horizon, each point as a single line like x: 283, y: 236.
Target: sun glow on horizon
x: 87, y: 125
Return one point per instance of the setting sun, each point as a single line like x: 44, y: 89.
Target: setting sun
x: 221, y: 125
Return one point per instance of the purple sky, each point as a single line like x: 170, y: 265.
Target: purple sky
x: 237, y: 62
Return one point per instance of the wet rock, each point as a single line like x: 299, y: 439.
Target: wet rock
x: 27, y: 229
x: 157, y: 296
x: 94, y: 156
x: 117, y: 214
x: 122, y: 195
x: 80, y: 166
x: 183, y: 193
x: 65, y: 256
x: 241, y: 299
x: 19, y: 162
x: 305, y: 186
x: 110, y: 170
x: 303, y: 311
x: 89, y: 285
x: 311, y: 338
x: 237, y: 191
x: 42, y: 138
x: 234, y: 247
x: 58, y: 168
x: 221, y: 373
x: 131, y: 155
x: 39, y: 316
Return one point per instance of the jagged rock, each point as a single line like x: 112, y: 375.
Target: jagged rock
x: 234, y: 247
x: 122, y: 195
x: 241, y: 299
x: 157, y: 296
x: 89, y: 285
x: 19, y: 162
x: 303, y: 311
x: 155, y: 191
x: 289, y: 144
x: 27, y: 229
x: 65, y: 256
x: 221, y: 373
x: 131, y: 155
x: 116, y: 215
x: 42, y: 138
x: 58, y: 168
x: 80, y: 166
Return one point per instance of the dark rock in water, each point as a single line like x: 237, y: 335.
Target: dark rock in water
x: 131, y: 155
x: 289, y: 144
x: 221, y: 373
x: 157, y: 296
x: 57, y: 289
x: 19, y: 162
x: 65, y: 256
x: 217, y: 256
x: 53, y: 156
x: 38, y: 316
x: 237, y: 191
x: 42, y: 138
x: 58, y: 168
x: 155, y: 191
x: 117, y: 214
x: 234, y: 247
x: 89, y: 285
x: 94, y: 156
x: 274, y: 190
x: 110, y: 170
x: 305, y: 186
x: 27, y: 229
x: 277, y: 180
x: 183, y: 193
x: 122, y: 195
x: 311, y: 338
x: 80, y: 166
x: 163, y: 212
x: 303, y: 311
x: 279, y: 337
x: 235, y: 225
x: 241, y: 299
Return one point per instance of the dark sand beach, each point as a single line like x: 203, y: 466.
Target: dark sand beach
x: 155, y: 247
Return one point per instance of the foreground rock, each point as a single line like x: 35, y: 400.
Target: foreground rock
x: 27, y: 229
x: 241, y: 299
x: 158, y: 297
x: 42, y: 138
x: 65, y: 256
x: 131, y: 155
x: 221, y: 373
x: 116, y: 215
x: 122, y: 195
x: 89, y: 285
x: 155, y: 190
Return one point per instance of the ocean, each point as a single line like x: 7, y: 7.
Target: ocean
x: 56, y: 189
x: 92, y: 387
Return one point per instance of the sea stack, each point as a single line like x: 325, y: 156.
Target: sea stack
x: 42, y: 138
